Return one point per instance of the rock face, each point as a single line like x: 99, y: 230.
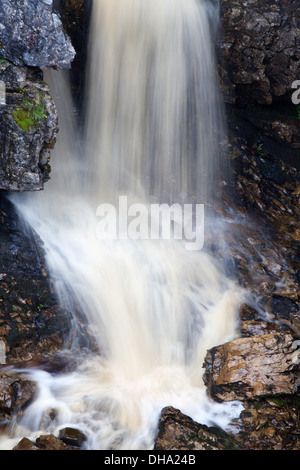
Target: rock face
x: 261, y: 365
x: 31, y: 322
x: 269, y: 424
x: 31, y: 39
x: 261, y: 48
x: 259, y: 61
x: 28, y: 130
x: 31, y: 34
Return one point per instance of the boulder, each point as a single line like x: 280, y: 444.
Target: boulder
x: 179, y: 432
x: 15, y: 394
x: 69, y: 439
x: 44, y: 442
x: 71, y: 436
x: 247, y: 368
x: 32, y: 34
x: 26, y: 444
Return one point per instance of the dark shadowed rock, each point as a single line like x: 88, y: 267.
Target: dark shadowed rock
x: 71, y: 436
x: 260, y: 47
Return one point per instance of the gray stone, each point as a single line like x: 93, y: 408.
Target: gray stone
x: 31, y: 34
x: 28, y: 130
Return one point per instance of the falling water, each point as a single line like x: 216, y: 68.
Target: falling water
x: 152, y: 133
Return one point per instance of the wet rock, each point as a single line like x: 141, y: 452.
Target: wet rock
x: 71, y: 436
x: 31, y: 323
x: 15, y: 394
x: 284, y: 129
x: 260, y: 47
x: 44, y: 442
x: 262, y: 365
x: 259, y: 327
x: 285, y: 311
x: 32, y: 34
x: 179, y: 432
x: 69, y: 439
x: 26, y: 444
x: 50, y: 442
x: 269, y: 424
x: 28, y: 130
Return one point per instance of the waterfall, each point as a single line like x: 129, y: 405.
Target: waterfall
x: 152, y: 135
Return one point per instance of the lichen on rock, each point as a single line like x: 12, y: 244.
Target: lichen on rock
x: 32, y: 34
x: 32, y: 39
x: 28, y: 130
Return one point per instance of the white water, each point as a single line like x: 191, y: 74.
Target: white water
x: 152, y: 129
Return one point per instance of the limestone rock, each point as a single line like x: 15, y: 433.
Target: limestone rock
x: 246, y: 368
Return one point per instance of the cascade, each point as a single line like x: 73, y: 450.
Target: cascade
x: 152, y: 134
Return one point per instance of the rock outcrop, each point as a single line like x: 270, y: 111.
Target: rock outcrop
x: 31, y: 39
x: 259, y: 62
x: 28, y: 129
x: 31, y: 323
x: 247, y: 368
x: 32, y: 35
x: 260, y: 46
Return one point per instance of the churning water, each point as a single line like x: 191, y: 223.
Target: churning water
x: 152, y: 133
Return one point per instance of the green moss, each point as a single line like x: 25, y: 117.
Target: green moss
x: 23, y: 119
x: 30, y: 112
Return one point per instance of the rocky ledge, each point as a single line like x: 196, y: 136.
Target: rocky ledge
x: 31, y: 39
x: 261, y: 365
